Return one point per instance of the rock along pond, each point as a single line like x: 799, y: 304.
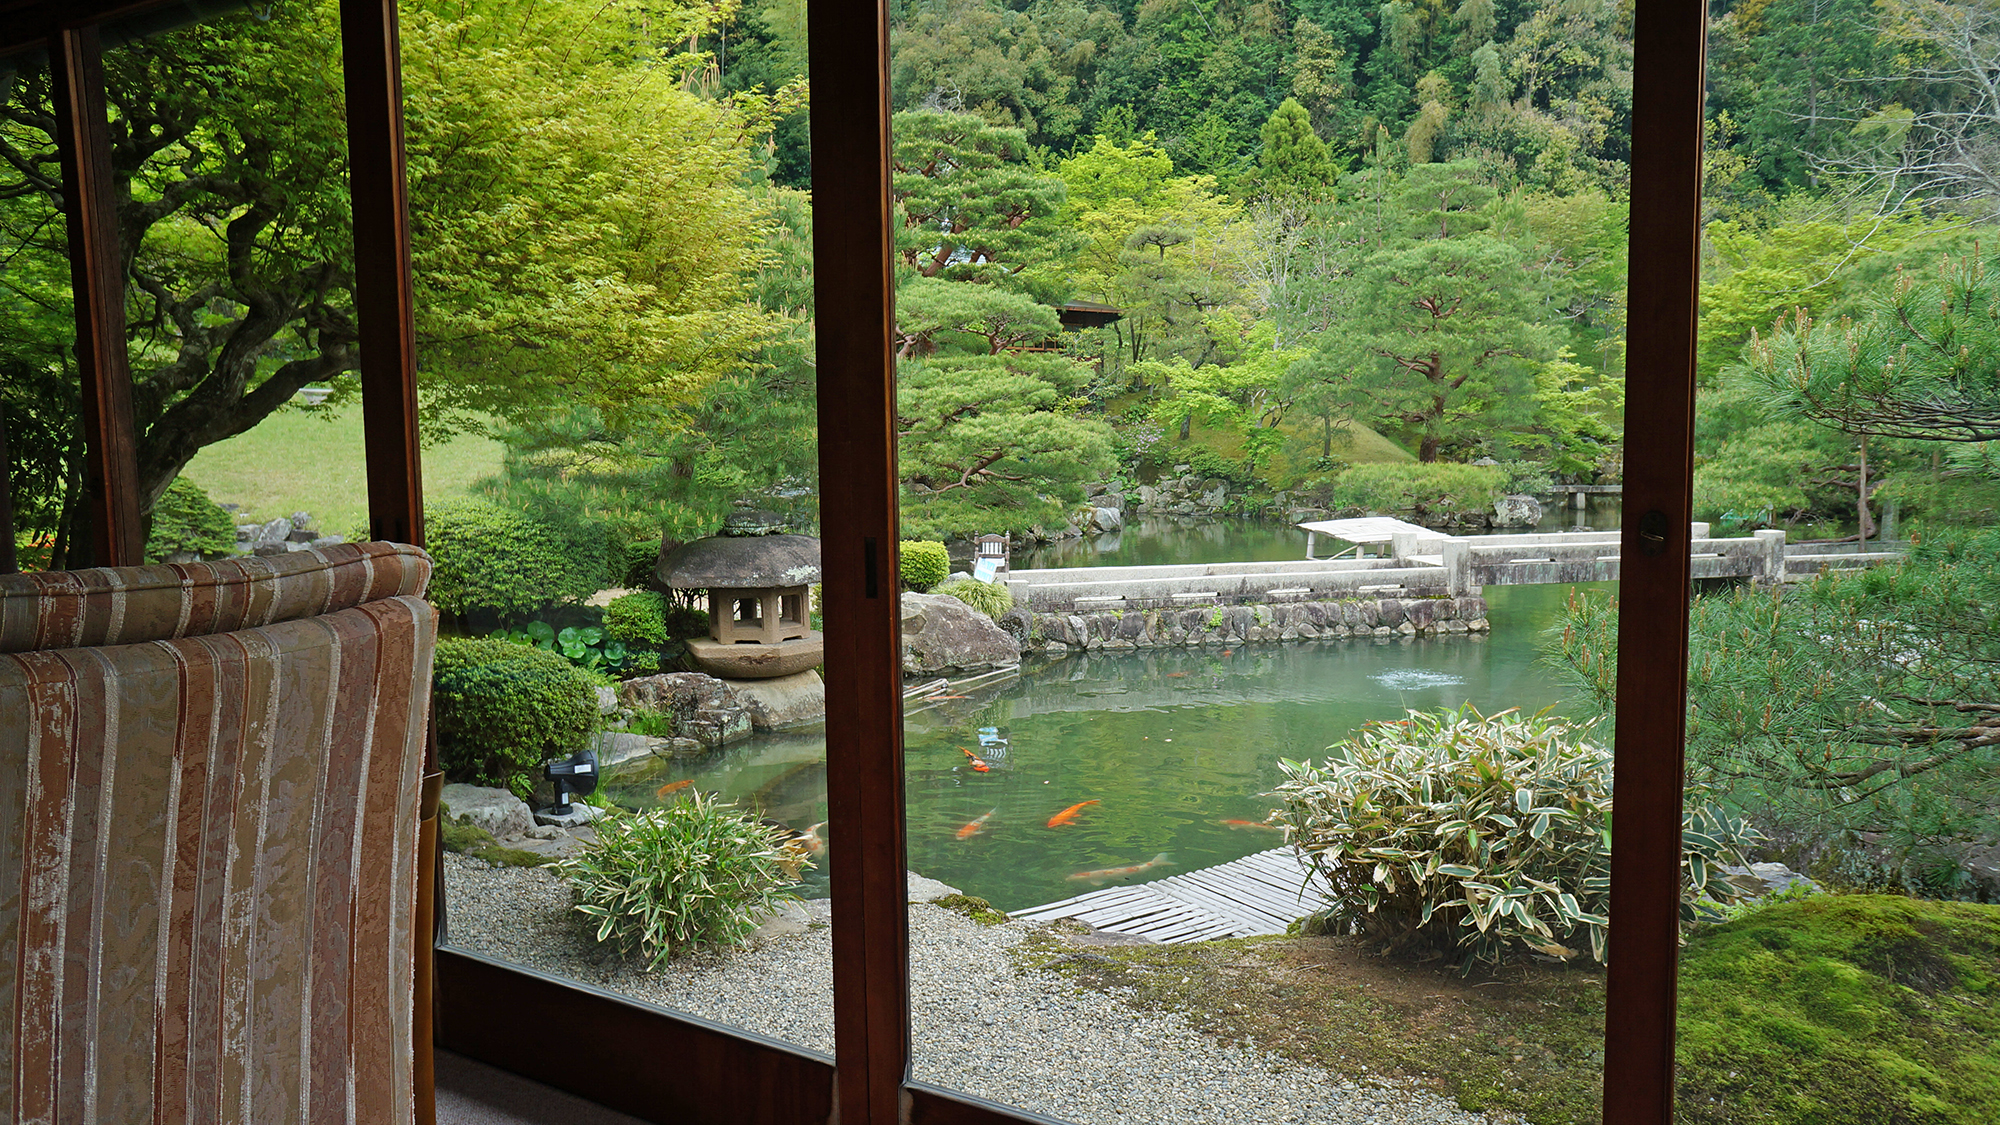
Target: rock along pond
x: 1178, y: 748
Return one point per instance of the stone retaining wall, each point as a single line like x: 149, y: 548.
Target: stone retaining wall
x: 1247, y: 624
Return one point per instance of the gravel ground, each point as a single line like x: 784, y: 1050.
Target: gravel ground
x: 979, y: 1025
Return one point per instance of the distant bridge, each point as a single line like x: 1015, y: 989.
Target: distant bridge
x: 1416, y: 562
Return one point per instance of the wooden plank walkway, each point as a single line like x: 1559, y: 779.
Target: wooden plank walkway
x: 1258, y: 894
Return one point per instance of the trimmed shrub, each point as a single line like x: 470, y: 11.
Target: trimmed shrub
x: 185, y: 519
x: 485, y: 557
x: 637, y: 619
x: 696, y: 872
x: 638, y: 560
x: 502, y: 709
x: 1436, y: 489
x: 1466, y: 833
x: 988, y: 598
x: 923, y: 564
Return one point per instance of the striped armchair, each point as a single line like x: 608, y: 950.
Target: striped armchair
x: 209, y: 781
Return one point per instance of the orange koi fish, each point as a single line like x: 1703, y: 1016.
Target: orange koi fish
x: 978, y: 763
x: 1175, y: 675
x: 1160, y: 860
x: 972, y: 829
x: 1251, y: 824
x: 1068, y: 815
x: 674, y: 787
x: 815, y: 843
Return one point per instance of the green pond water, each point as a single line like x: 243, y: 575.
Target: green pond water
x: 1171, y: 744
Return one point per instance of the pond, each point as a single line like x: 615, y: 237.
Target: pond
x: 1174, y: 749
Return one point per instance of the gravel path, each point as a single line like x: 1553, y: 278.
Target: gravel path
x: 979, y: 1025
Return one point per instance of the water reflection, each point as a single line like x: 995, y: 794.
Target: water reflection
x: 1177, y: 748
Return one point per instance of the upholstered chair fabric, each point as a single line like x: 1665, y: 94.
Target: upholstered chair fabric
x: 208, y: 828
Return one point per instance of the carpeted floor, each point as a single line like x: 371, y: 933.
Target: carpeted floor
x: 472, y: 1093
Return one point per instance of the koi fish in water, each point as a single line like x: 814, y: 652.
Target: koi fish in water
x: 972, y: 828
x: 674, y: 787
x: 1068, y: 815
x: 978, y: 763
x: 1175, y: 675
x: 1251, y: 824
x: 1109, y: 873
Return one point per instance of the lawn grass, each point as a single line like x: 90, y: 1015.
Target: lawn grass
x: 311, y: 461
x: 1830, y: 1010
x: 1353, y: 443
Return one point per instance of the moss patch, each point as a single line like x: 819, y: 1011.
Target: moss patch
x: 975, y: 908
x: 1841, y: 1009
x: 1832, y: 1010
x: 466, y: 838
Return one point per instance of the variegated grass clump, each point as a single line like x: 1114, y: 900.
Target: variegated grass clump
x: 1466, y: 834
x: 694, y: 873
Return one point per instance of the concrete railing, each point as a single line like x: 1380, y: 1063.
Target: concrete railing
x: 1423, y: 565
x: 1152, y: 587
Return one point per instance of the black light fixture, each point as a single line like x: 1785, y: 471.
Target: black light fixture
x: 574, y: 776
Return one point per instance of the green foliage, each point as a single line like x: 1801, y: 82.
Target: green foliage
x: 665, y: 881
x: 1294, y: 161
x: 586, y: 646
x: 554, y: 264
x: 1861, y: 702
x: 1470, y: 834
x: 501, y: 709
x: 923, y: 564
x: 989, y: 598
x: 638, y: 619
x: 650, y: 626
x: 1841, y: 1010
x: 487, y: 557
x: 185, y: 519
x: 1439, y: 489
x: 1923, y: 362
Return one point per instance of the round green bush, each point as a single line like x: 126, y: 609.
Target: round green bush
x: 502, y: 709
x: 923, y: 564
x: 185, y: 519
x: 988, y: 598
x: 694, y: 873
x: 486, y: 557
x: 1436, y: 489
x: 637, y: 619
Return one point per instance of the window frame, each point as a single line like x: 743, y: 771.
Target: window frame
x: 726, y: 1074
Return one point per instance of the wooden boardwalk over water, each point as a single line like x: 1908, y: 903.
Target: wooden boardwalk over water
x: 1258, y: 894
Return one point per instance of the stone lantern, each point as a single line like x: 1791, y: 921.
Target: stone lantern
x: 759, y: 607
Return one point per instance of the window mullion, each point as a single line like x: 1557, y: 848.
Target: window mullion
x: 1653, y: 621
x: 853, y: 286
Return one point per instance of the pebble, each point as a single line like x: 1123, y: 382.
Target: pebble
x: 978, y: 1024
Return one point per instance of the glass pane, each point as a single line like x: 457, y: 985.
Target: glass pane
x: 229, y: 153
x: 1280, y: 360
x: 1842, y: 718
x: 40, y: 424
x: 613, y: 274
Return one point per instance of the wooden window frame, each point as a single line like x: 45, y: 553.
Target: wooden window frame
x: 665, y: 1067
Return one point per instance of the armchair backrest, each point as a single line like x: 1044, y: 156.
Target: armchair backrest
x: 208, y: 837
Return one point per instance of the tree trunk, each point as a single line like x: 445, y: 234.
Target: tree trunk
x: 1865, y: 525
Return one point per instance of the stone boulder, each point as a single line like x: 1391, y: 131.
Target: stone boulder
x: 943, y: 634
x: 784, y: 701
x: 495, y: 810
x: 1517, y: 510
x: 702, y: 707
x: 1106, y: 519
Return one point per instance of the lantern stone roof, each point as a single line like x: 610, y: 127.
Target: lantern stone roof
x: 741, y: 563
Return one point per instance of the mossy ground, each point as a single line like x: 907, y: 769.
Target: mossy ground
x: 1841, y: 1009
x: 1834, y: 1010
x: 973, y: 907
x: 470, y: 839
